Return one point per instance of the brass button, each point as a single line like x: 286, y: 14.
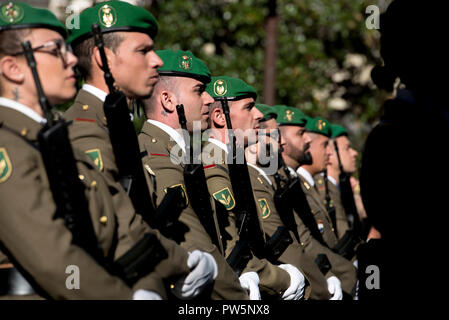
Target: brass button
x: 81, y: 177
x: 103, y: 219
x: 172, y: 286
x: 24, y: 132
x: 94, y: 184
x: 333, y: 229
x: 85, y: 107
x: 154, y: 140
x: 302, y: 243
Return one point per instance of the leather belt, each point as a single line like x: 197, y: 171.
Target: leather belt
x: 13, y: 283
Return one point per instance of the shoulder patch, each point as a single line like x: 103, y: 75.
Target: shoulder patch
x: 5, y: 165
x: 265, y: 208
x: 224, y: 196
x: 95, y: 154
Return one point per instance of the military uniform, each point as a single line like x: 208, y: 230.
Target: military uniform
x: 273, y: 280
x: 335, y: 202
x: 264, y: 193
x: 164, y: 173
x: 41, y: 245
x: 318, y: 209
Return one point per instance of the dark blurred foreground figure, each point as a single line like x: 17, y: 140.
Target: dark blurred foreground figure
x: 404, y: 170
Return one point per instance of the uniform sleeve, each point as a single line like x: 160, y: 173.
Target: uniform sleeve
x: 40, y: 244
x: 94, y: 140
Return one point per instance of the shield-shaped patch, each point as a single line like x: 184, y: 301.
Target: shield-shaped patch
x: 95, y: 154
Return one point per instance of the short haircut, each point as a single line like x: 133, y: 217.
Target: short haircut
x: 85, y: 49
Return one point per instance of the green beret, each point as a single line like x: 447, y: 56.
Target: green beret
x: 288, y: 116
x: 319, y: 125
x: 231, y: 89
x: 338, y: 131
x: 113, y: 16
x: 183, y: 64
x: 19, y: 15
x: 267, y: 111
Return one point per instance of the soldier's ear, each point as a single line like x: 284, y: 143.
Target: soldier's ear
x: 218, y: 118
x: 168, y: 101
x: 96, y: 57
x: 11, y: 69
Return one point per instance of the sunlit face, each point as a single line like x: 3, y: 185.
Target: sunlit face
x: 192, y: 94
x: 56, y: 74
x: 134, y: 65
x: 295, y: 143
x: 320, y: 151
x: 348, y: 156
x: 245, y: 120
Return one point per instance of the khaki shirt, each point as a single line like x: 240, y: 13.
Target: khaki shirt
x: 89, y: 133
x: 273, y: 280
x: 36, y: 241
x: 264, y: 192
x: 163, y: 172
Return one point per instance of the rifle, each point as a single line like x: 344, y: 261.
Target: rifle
x: 127, y: 152
x: 71, y: 203
x: 346, y: 245
x: 247, y: 216
x: 60, y: 165
x: 196, y: 184
x: 285, y: 197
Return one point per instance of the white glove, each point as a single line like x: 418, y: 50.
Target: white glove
x: 297, y: 282
x: 250, y: 282
x: 204, y: 270
x: 146, y: 295
x: 334, y: 288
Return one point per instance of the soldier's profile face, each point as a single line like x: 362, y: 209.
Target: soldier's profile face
x: 192, y: 94
x: 320, y: 150
x: 348, y: 156
x: 134, y: 65
x: 57, y: 77
x: 245, y: 117
x: 294, y: 141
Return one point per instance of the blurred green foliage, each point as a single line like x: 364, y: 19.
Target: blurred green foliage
x: 314, y: 40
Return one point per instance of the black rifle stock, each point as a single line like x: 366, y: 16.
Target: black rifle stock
x: 247, y: 214
x: 196, y: 184
x: 71, y: 203
x: 126, y: 149
x: 60, y: 165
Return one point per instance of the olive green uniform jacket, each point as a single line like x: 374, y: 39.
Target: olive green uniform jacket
x: 320, y: 213
x: 273, y: 280
x: 335, y: 202
x: 162, y: 172
x: 294, y: 254
x: 38, y: 243
x: 341, y: 268
x: 89, y: 133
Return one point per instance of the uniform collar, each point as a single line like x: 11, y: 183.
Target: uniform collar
x: 332, y: 180
x: 306, y: 175
x: 261, y: 172
x: 8, y: 103
x: 174, y: 134
x: 292, y: 172
x: 100, y: 94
